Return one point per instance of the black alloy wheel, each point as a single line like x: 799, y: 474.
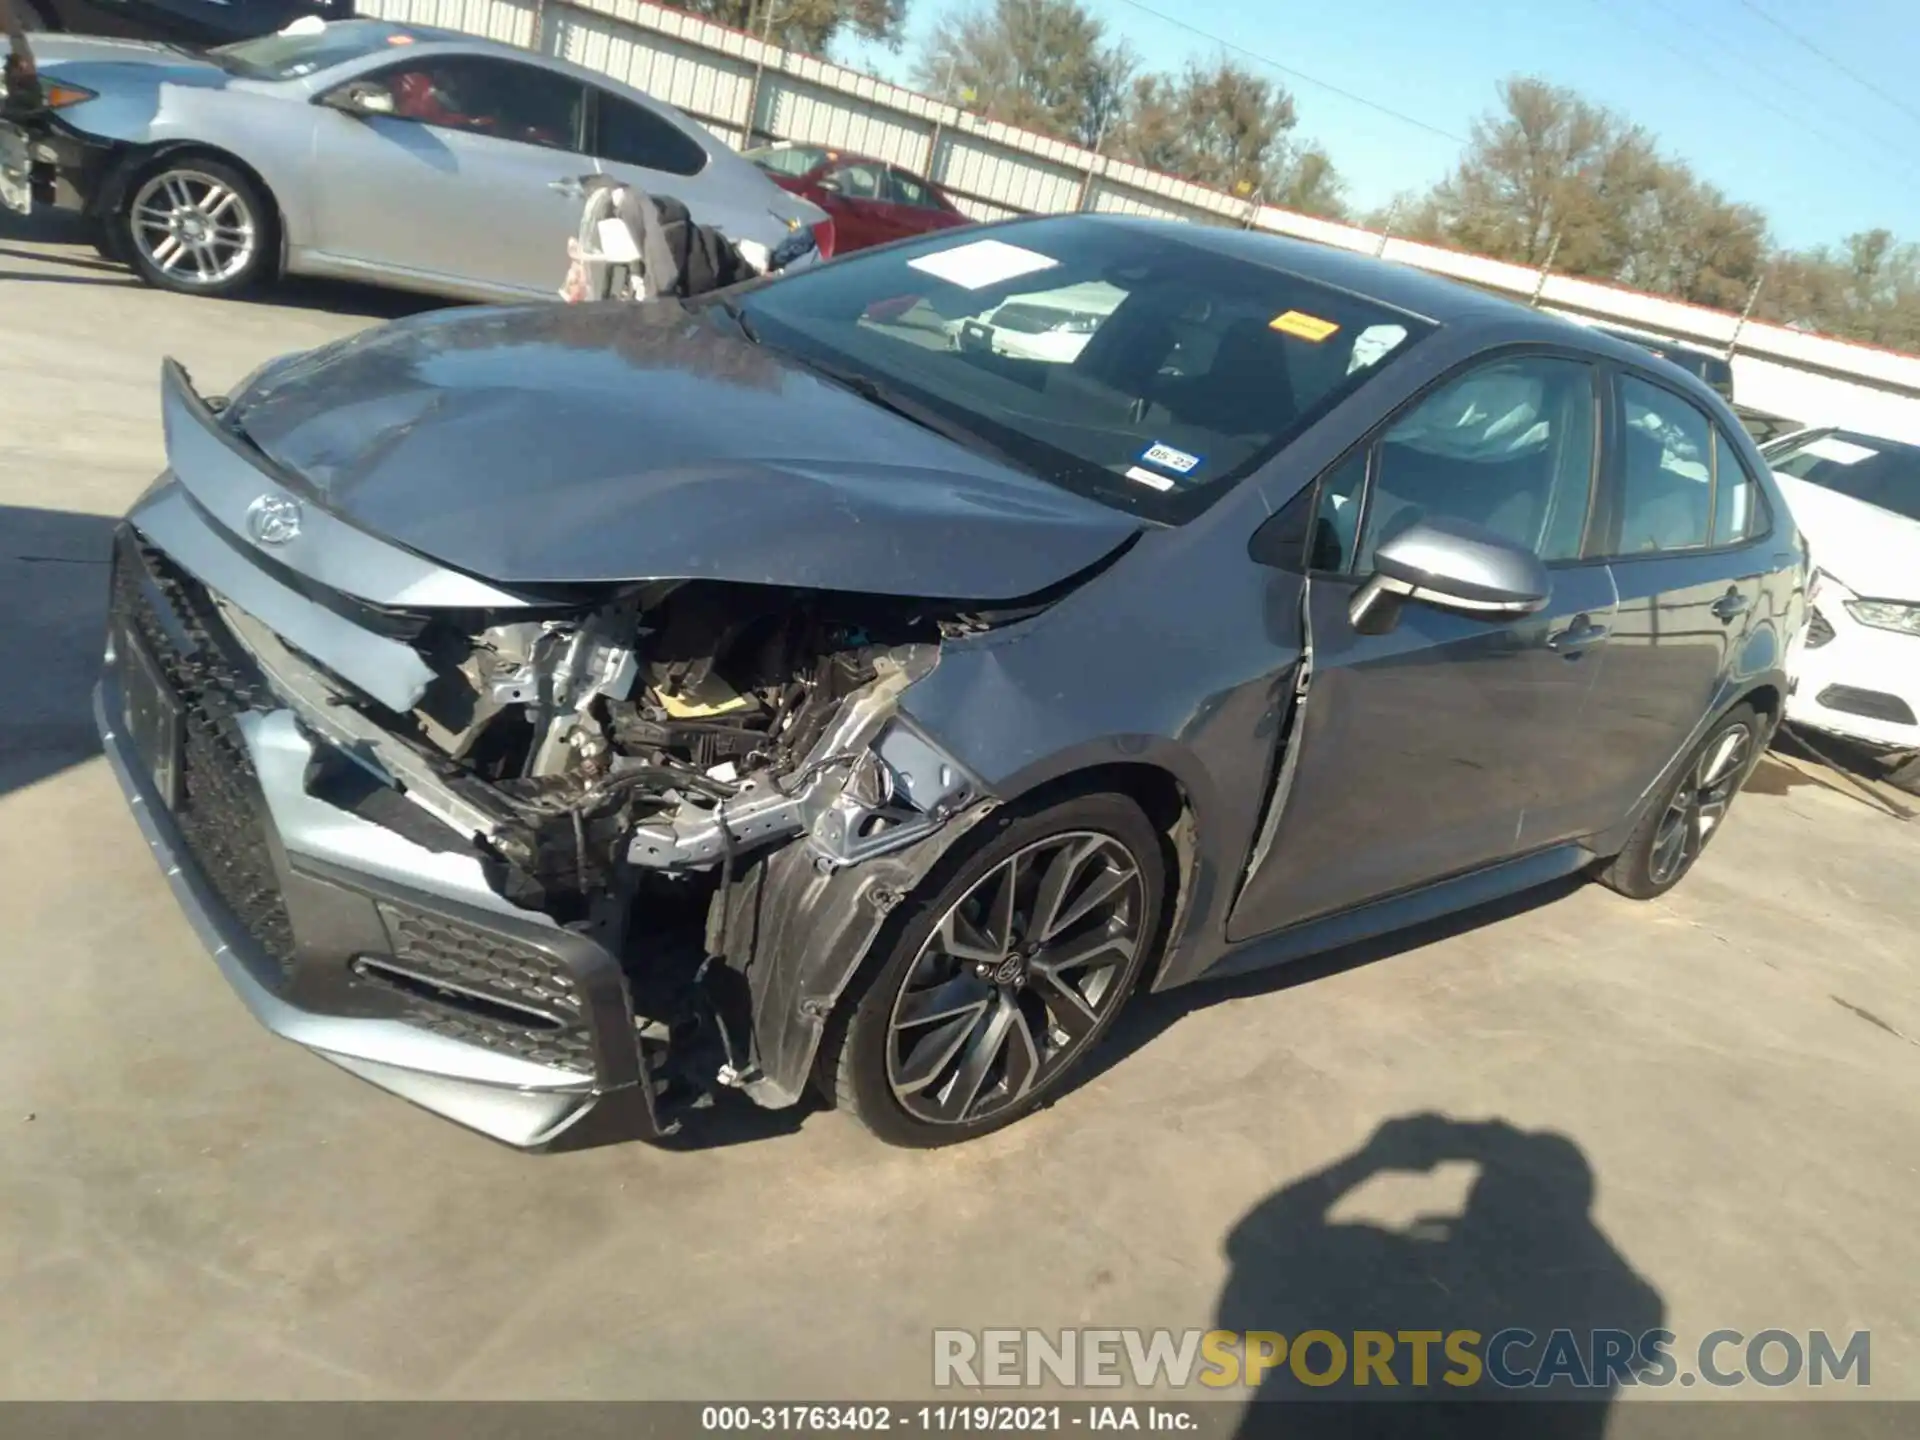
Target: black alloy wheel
x: 1677, y: 829
x: 1007, y: 976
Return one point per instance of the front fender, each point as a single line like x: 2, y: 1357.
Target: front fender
x: 799, y: 935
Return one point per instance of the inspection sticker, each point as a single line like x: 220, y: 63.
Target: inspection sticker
x: 981, y: 263
x: 1146, y: 477
x: 1303, y: 326
x: 1168, y: 458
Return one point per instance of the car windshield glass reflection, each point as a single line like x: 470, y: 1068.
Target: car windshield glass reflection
x: 1880, y: 472
x: 295, y: 54
x: 1135, y: 367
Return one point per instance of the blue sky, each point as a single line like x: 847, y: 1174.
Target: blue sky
x: 1752, y: 110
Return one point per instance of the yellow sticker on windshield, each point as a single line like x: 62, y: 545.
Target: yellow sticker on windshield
x: 1304, y: 326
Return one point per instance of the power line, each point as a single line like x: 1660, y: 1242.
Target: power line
x: 1299, y: 75
x: 1846, y: 70
x: 1750, y: 95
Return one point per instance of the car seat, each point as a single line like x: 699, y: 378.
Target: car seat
x: 1660, y: 509
x: 415, y: 98
x: 1246, y: 390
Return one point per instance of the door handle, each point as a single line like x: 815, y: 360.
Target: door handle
x: 1577, y: 638
x: 1731, y: 606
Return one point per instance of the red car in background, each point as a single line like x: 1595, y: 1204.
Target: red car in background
x: 871, y: 201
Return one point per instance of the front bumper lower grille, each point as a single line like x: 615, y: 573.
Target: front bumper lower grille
x: 484, y: 988
x: 217, y: 805
x: 447, y: 995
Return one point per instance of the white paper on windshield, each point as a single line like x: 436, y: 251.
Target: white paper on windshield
x: 1841, y: 452
x: 1148, y: 478
x: 981, y: 263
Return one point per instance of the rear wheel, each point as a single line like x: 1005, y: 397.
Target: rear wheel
x: 1006, y: 976
x: 196, y: 225
x: 1689, y: 814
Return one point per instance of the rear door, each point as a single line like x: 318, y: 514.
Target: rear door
x: 1422, y: 751
x: 1688, y: 547
x: 473, y: 177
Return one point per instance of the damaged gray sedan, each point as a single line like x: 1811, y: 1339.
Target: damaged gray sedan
x: 555, y: 714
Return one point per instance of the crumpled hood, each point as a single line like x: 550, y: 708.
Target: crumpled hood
x: 1873, y: 552
x: 593, y: 443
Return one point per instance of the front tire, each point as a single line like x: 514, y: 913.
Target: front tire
x: 998, y: 983
x: 196, y: 226
x: 1689, y: 813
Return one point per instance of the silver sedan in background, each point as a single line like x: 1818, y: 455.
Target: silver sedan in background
x: 364, y: 150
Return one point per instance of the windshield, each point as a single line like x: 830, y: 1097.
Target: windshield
x: 1880, y: 472
x: 794, y: 160
x: 1133, y: 366
x: 295, y: 53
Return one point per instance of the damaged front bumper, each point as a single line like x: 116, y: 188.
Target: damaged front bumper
x: 388, y: 955
x: 382, y: 902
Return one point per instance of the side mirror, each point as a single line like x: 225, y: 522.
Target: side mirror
x: 362, y: 97
x: 1455, y: 566
x: 832, y: 186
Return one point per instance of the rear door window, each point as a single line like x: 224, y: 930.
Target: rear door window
x: 1666, y: 496
x: 630, y: 134
x: 904, y: 189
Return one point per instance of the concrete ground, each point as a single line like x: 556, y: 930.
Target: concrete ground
x: 1710, y: 1105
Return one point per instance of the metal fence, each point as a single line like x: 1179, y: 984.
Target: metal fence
x: 746, y: 91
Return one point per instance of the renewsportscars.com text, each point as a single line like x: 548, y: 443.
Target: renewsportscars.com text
x: 1512, y: 1359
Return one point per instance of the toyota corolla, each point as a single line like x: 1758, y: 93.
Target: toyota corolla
x: 557, y: 711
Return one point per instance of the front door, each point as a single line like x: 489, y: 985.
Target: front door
x: 1420, y: 752
x: 470, y: 178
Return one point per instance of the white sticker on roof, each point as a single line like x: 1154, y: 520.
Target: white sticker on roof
x: 1841, y: 452
x: 981, y: 263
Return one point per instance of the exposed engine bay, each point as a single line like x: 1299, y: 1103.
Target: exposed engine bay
x: 615, y: 762
x: 684, y: 724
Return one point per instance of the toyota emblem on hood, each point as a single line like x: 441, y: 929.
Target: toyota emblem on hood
x: 273, y: 519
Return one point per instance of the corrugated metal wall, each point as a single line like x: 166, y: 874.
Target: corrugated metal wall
x: 734, y: 84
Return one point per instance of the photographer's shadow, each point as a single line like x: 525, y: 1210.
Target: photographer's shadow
x: 1522, y: 1254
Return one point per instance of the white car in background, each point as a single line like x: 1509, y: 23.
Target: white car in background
x: 1856, y: 668
x: 1051, y: 325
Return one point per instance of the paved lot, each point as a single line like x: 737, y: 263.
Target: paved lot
x: 191, y: 1208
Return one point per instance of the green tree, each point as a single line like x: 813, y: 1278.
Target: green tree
x: 1226, y: 127
x: 1868, y: 289
x: 1689, y: 241
x: 1550, y: 172
x: 808, y: 25
x: 1043, y: 65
